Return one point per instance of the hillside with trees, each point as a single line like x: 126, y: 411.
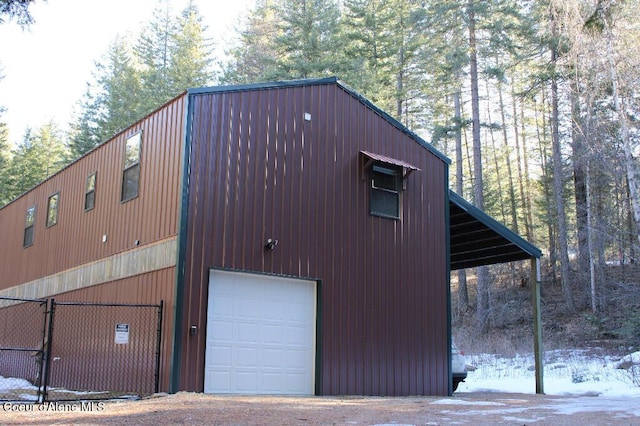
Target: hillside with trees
x: 536, y: 103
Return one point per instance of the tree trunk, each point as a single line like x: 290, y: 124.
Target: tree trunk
x: 629, y: 161
x: 482, y: 307
x: 558, y: 183
x: 463, y: 294
x: 496, y: 163
x: 507, y: 155
x: 542, y: 138
x: 525, y: 193
x: 580, y: 177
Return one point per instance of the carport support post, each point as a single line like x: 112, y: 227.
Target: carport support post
x: 537, y: 323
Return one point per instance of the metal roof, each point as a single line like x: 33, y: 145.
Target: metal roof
x: 476, y: 239
x: 388, y: 160
x: 321, y: 81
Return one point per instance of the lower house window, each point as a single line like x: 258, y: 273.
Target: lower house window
x: 30, y: 221
x: 52, y: 209
x: 385, y: 191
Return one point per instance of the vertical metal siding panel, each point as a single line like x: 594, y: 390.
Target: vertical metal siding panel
x: 260, y: 125
x: 194, y: 254
x: 238, y: 144
x: 245, y: 174
x: 283, y: 123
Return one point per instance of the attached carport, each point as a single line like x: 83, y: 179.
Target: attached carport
x: 476, y: 239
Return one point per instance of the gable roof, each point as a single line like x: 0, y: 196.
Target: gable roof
x: 476, y: 239
x: 324, y: 81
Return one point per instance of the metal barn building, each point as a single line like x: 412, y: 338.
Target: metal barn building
x: 301, y: 239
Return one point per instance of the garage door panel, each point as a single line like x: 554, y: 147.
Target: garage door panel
x: 264, y: 343
x: 272, y: 334
x: 221, y: 331
x: 246, y: 332
x: 219, y: 356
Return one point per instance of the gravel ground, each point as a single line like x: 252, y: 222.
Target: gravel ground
x: 200, y: 409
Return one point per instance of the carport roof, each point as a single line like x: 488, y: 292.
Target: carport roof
x: 476, y: 239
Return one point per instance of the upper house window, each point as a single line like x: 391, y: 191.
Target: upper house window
x: 90, y: 192
x: 131, y: 172
x: 52, y: 209
x: 387, y: 179
x: 30, y: 221
x: 385, y: 192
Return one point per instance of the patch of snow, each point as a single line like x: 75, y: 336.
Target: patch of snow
x: 11, y: 383
x: 77, y: 392
x: 566, y: 373
x: 464, y: 402
x: 633, y: 358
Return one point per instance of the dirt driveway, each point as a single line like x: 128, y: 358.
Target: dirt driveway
x: 466, y: 408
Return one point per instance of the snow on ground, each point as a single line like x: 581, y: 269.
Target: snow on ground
x: 566, y: 373
x: 10, y: 383
x: 590, y: 383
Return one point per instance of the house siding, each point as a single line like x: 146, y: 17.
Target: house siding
x: 77, y: 237
x: 258, y: 170
x: 136, y: 263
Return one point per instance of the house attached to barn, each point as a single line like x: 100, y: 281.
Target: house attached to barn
x: 300, y: 238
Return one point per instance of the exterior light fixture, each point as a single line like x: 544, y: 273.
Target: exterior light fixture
x: 270, y: 244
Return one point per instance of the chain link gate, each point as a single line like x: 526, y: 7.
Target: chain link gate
x: 65, y: 351
x: 22, y: 337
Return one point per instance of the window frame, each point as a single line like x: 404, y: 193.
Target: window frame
x: 131, y: 167
x: 88, y: 192
x: 51, y: 219
x: 377, y: 192
x: 29, y: 225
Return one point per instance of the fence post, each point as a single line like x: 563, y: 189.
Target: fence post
x: 158, y: 346
x: 42, y: 353
x: 47, y: 355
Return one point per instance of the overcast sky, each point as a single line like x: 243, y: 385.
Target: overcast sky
x: 46, y: 66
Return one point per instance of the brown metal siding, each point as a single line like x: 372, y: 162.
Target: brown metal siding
x: 77, y: 238
x: 149, y: 288
x: 259, y: 171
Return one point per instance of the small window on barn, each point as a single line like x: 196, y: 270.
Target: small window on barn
x: 52, y: 209
x: 386, y: 184
x: 90, y: 192
x: 387, y: 180
x: 131, y: 172
x: 30, y: 221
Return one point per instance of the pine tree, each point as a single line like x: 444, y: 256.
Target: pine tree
x: 190, y: 53
x: 172, y: 55
x: 153, y: 52
x: 16, y: 9
x: 40, y: 154
x: 4, y: 160
x: 253, y: 58
x: 307, y: 39
x: 113, y: 102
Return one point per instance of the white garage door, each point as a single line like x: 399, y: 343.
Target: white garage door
x: 261, y: 333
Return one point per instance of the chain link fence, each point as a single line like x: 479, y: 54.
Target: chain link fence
x: 22, y: 336
x: 64, y: 351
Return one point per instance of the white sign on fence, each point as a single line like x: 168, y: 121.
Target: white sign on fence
x: 122, y: 334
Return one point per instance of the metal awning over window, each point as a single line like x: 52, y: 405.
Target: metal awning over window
x: 368, y: 158
x: 477, y: 239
